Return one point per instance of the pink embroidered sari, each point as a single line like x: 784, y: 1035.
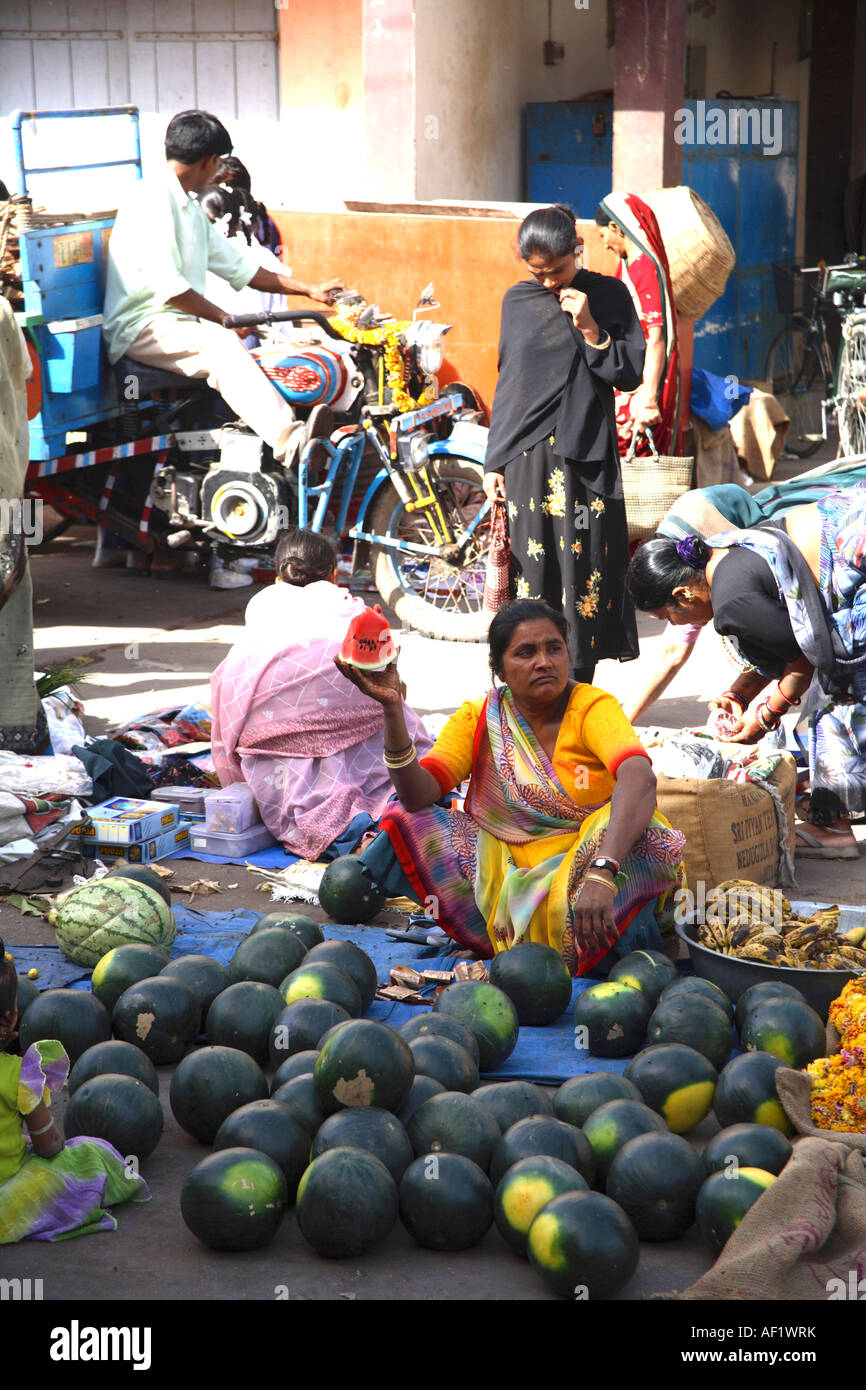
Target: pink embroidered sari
x: 287, y: 723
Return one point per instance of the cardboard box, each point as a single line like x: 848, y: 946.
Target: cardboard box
x: 142, y: 851
x: 124, y: 821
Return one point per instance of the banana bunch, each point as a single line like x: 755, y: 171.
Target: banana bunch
x: 754, y: 923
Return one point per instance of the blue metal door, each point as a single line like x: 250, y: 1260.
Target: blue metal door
x: 569, y: 152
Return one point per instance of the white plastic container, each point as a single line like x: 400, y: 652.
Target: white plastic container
x: 238, y: 846
x: 230, y: 810
x: 189, y: 800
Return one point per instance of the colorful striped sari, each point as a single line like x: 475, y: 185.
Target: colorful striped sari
x: 509, y: 868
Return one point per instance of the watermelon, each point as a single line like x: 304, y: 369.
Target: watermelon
x: 347, y: 893
x: 298, y: 1064
x: 139, y: 873
x: 612, y: 1125
x: 576, y: 1099
x: 524, y: 1189
x: 746, y: 1093
x: 211, y: 1083
x: 160, y: 1015
x: 676, y: 1081
x: 614, y: 1017
x: 536, y: 980
x: 696, y: 1021
x: 724, y: 1200
x: 423, y: 1087
x: 122, y: 967
x: 301, y: 1026
x: 206, y: 978
x: 510, y: 1101
x: 347, y: 1203
x: 322, y: 980
x: 234, y: 1199
x: 656, y: 1179
x: 93, y: 919
x: 364, y: 1063
x: 454, y: 1123
x: 366, y: 1127
x: 486, y: 1012
x: 446, y: 1202
x: 442, y: 1026
x: 447, y: 1061
x: 269, y: 1128
x: 694, y: 984
x: 786, y: 1028
x: 583, y: 1246
x: 356, y: 963
x: 27, y: 992
x: 119, y: 1058
x: 267, y: 956
x: 72, y: 1016
x: 764, y: 989
x: 309, y: 931
x: 747, y: 1146
x: 368, y: 643
x: 119, y: 1109
x: 302, y: 1098
x: 243, y: 1016
x: 648, y: 971
x: 543, y: 1134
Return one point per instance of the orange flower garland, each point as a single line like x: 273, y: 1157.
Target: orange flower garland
x: 396, y: 371
x: 839, y: 1082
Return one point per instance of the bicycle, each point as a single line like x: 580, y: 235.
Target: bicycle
x: 800, y: 367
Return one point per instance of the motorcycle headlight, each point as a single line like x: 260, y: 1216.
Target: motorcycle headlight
x: 431, y: 356
x: 428, y: 341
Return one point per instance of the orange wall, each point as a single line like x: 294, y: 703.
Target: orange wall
x: 321, y: 59
x: 390, y: 257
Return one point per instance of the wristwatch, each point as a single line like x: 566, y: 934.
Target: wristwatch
x: 602, y: 863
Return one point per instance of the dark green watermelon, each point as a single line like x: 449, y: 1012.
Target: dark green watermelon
x: 364, y: 1063
x: 583, y: 1246
x: 510, y: 1101
x: 234, y: 1199
x: 423, y: 1087
x: 612, y: 1125
x: 527, y: 1186
x: 268, y: 956
x: 72, y: 1016
x: 536, y: 980
x: 140, y: 873
x: 747, y: 1146
x: 356, y: 963
x: 269, y: 1128
x: 211, y: 1083
x: 27, y: 992
x: 576, y: 1099
x: 302, y: 1097
x: 298, y: 1064
x: 786, y: 1028
x: 160, y: 1015
x: 243, y: 1016
x: 648, y: 971
x: 746, y: 1093
x: 119, y: 1058
x: 454, y: 1123
x: 445, y: 1060
x: 206, y: 978
x: 543, y: 1134
x: 694, y: 984
x: 656, y: 1179
x: 347, y: 893
x: 119, y: 1109
x: 764, y: 989
x: 309, y: 931
x: 347, y: 1203
x: 446, y: 1202
x: 724, y: 1200
x: 301, y: 1027
x: 122, y: 967
x: 425, y: 1025
x: 613, y: 1017
x: 366, y: 1127
x: 676, y: 1081
x: 486, y: 1012
x: 322, y: 980
x: 697, y: 1022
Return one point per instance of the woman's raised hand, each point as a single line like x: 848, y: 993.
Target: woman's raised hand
x: 576, y: 305
x: 385, y: 686
x: 494, y: 487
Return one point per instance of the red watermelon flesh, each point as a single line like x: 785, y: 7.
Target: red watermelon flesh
x: 368, y: 643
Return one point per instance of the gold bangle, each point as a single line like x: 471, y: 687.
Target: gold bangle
x: 597, y: 878
x: 601, y: 344
x: 394, y: 764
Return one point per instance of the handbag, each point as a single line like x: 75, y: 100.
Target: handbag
x: 651, y: 486
x: 497, y: 587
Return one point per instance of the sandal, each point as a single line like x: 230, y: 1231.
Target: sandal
x: 826, y: 842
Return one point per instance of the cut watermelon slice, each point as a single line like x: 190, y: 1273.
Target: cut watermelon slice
x: 368, y: 643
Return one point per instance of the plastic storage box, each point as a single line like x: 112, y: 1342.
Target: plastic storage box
x: 188, y: 800
x: 231, y: 810
x: 238, y: 846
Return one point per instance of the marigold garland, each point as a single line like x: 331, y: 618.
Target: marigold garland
x: 386, y: 335
x: 839, y: 1082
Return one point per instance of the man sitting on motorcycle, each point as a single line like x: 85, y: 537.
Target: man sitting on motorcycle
x: 161, y: 248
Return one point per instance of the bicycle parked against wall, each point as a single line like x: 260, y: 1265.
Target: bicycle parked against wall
x: 800, y: 367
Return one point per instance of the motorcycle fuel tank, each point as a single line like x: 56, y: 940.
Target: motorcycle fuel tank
x: 311, y: 375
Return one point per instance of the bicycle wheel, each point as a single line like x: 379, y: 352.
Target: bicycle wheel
x: 796, y: 378
x: 429, y: 594
x: 851, y: 388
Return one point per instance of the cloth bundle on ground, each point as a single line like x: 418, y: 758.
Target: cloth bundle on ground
x: 759, y: 432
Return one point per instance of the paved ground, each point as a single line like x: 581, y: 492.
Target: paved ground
x: 156, y: 641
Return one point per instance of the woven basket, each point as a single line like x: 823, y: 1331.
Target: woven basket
x: 698, y: 250
x: 650, y: 486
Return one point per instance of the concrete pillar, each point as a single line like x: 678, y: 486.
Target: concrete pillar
x: 389, y: 95
x: 649, y: 86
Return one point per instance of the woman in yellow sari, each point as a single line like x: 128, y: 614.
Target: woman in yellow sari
x: 560, y: 841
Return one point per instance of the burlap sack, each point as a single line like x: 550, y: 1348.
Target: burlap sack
x: 803, y: 1239
x: 731, y: 828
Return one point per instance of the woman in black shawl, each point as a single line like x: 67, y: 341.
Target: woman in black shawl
x: 568, y: 338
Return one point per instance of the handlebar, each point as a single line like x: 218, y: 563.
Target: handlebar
x: 280, y: 316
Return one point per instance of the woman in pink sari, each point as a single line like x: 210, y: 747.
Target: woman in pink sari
x: 286, y: 722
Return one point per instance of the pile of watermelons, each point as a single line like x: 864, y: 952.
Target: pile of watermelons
x: 363, y: 1125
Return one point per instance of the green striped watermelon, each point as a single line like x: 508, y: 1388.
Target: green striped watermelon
x: 95, y: 918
